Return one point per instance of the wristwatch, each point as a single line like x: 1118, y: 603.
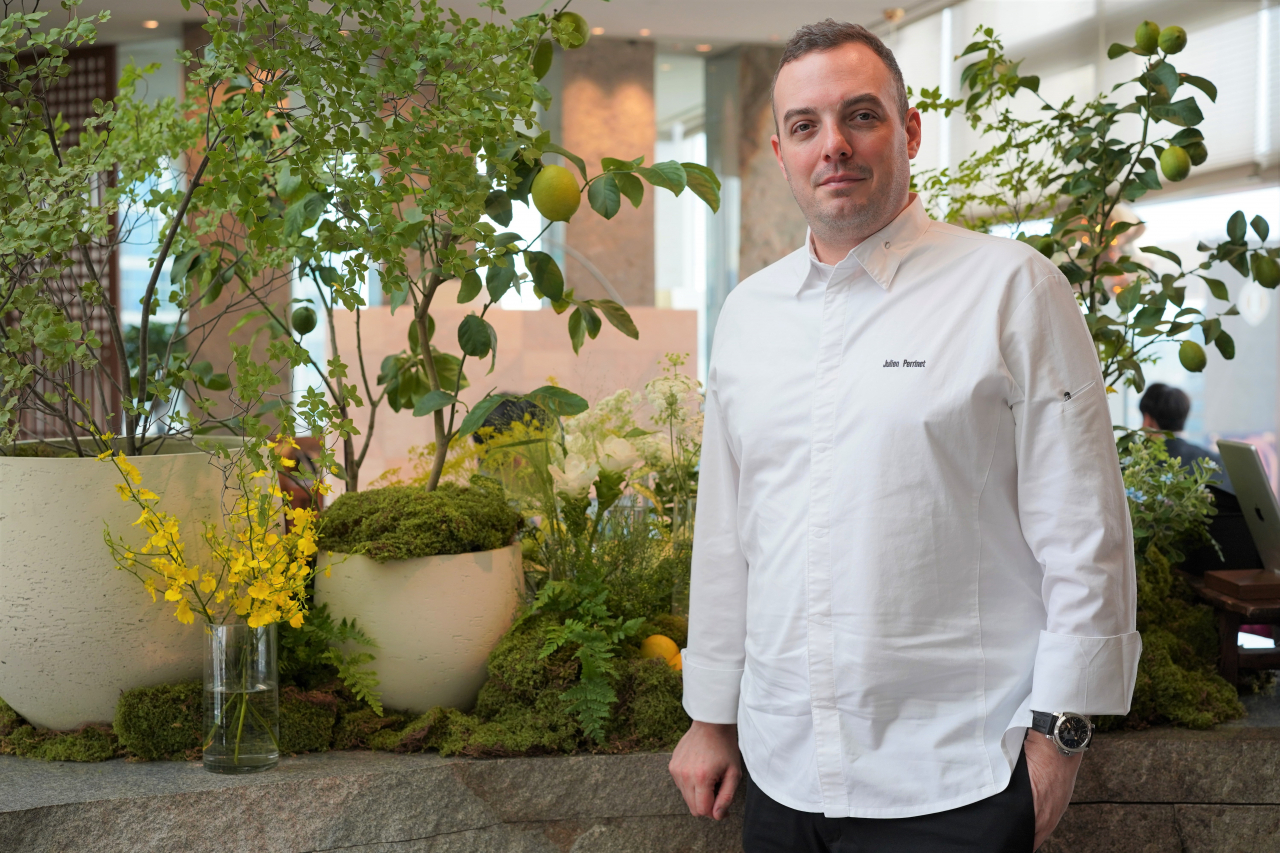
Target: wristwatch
x: 1070, y: 733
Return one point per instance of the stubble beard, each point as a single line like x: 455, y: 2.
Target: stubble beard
x: 838, y: 222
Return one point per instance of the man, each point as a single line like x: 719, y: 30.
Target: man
x: 1165, y: 409
x: 912, y: 539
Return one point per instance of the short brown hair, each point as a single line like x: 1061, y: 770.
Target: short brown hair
x: 830, y: 34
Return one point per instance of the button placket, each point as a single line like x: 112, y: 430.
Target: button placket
x: 821, y: 642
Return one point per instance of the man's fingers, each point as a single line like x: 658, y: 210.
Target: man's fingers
x: 704, y: 796
x: 724, y: 797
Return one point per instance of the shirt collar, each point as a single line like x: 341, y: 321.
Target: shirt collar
x: 882, y: 252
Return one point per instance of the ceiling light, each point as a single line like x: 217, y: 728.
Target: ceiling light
x: 702, y: 48
x: 597, y: 31
x: 895, y: 14
x: 645, y: 32
x: 666, y: 66
x: 150, y: 25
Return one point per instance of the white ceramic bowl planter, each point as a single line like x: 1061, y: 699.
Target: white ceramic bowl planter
x: 435, y: 619
x: 74, y: 630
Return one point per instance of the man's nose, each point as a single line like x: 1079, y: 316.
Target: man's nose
x: 835, y: 144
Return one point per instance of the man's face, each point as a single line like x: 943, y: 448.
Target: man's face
x: 841, y: 142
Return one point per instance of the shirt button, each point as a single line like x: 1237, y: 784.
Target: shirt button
x: 886, y: 244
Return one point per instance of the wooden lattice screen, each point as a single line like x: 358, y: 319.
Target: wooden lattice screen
x: 93, y: 75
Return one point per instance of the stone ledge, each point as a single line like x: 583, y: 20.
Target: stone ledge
x: 1147, y: 792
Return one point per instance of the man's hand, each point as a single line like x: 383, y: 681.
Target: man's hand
x: 707, y: 768
x: 1053, y: 778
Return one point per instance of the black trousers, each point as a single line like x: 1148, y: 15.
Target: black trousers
x: 1003, y: 823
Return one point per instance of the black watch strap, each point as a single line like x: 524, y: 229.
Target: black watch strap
x: 1042, y: 722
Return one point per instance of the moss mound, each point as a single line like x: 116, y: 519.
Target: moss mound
x: 403, y: 522
x: 306, y: 720
x: 520, y: 710
x: 36, y: 450
x: 161, y: 723
x: 87, y: 743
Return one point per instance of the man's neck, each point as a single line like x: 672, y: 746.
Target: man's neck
x: 833, y: 248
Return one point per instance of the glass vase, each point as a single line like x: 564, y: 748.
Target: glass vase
x: 241, y: 699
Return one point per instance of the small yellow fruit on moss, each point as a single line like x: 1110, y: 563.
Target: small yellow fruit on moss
x: 580, y: 28
x: 660, y: 646
x: 1175, y: 162
x: 1173, y: 39
x: 1147, y: 36
x: 556, y: 194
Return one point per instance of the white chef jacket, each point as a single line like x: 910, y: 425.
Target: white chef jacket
x: 911, y: 525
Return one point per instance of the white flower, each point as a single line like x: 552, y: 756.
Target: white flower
x: 576, y: 477
x: 616, y: 454
x: 670, y: 394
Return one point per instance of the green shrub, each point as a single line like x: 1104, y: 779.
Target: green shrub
x: 403, y: 522
x: 161, y: 723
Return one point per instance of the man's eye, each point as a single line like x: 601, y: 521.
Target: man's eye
x: 801, y: 127
x: 864, y: 116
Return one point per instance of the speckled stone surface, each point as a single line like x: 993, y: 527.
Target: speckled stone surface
x: 1160, y: 791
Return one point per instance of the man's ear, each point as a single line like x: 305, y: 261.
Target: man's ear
x: 913, y: 133
x: 777, y: 152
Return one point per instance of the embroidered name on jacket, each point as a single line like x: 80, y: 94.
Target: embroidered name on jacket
x: 906, y: 362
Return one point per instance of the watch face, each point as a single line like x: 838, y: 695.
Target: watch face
x: 1073, y: 732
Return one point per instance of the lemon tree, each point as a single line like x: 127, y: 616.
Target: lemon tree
x: 1074, y: 166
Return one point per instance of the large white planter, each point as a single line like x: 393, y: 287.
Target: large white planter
x: 435, y: 619
x: 75, y: 631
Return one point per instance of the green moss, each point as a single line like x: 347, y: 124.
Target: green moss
x: 36, y: 450
x: 161, y: 723
x: 9, y: 719
x: 306, y: 720
x: 649, y: 715
x: 402, y: 522
x: 87, y: 743
x: 354, y: 729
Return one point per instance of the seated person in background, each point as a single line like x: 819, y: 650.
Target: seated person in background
x: 1165, y: 408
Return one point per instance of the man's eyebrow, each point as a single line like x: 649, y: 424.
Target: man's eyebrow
x: 851, y: 101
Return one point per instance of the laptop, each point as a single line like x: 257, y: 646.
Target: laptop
x: 1262, y: 515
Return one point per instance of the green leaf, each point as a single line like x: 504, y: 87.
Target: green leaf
x: 613, y: 164
x: 557, y: 401
x: 1217, y: 288
x: 543, y: 54
x: 1202, y: 84
x: 704, y: 184
x: 304, y: 213
x: 1163, y: 78
x: 547, y: 277
x: 630, y: 186
x: 217, y: 382
x: 1150, y: 315
x: 449, y: 370
x: 1128, y: 298
x: 1236, y: 227
x: 431, y: 402
x: 469, y: 287
x: 287, y: 183
x: 1117, y: 50
x: 1164, y: 253
x: 617, y: 317
x: 497, y: 206
x: 185, y: 264
x: 397, y: 296
x: 1031, y: 82
x: 568, y: 155
x: 668, y: 174
x: 475, y: 418
x: 604, y: 196
x: 1185, y: 113
x: 577, y: 330
x: 1226, y: 345
x: 498, y: 279
x: 473, y: 336
x: 1260, y: 227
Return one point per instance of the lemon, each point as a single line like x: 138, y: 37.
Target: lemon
x: 1266, y: 271
x: 555, y: 193
x: 1147, y: 36
x: 1173, y: 39
x: 304, y: 319
x: 1192, y: 356
x: 677, y: 662
x: 580, y: 28
x: 1175, y: 162
x: 659, y: 646
x: 1197, y: 152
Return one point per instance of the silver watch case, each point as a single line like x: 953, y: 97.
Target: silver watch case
x: 1070, y: 720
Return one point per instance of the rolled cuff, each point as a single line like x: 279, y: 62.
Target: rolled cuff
x: 710, y: 695
x: 1087, y: 675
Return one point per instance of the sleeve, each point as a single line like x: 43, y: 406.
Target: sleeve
x: 713, y: 662
x: 1072, y: 508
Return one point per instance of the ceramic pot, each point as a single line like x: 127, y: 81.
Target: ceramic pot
x: 435, y: 619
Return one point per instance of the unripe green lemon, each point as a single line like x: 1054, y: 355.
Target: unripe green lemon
x: 555, y: 193
x: 1147, y: 36
x: 1192, y: 356
x: 1197, y: 152
x: 1173, y: 39
x: 1175, y: 162
x: 304, y: 319
x: 1266, y: 271
x: 580, y: 27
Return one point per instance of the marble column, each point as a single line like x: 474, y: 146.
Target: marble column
x: 606, y: 109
